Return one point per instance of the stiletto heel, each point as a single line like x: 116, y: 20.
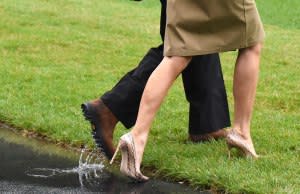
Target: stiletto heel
x: 128, y: 163
x: 115, y: 154
x: 235, y: 140
x: 229, y: 147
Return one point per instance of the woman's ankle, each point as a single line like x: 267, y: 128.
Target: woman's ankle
x: 243, y: 132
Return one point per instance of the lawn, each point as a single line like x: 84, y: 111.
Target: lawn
x: 56, y: 54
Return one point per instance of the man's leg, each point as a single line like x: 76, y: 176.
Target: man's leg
x: 206, y: 93
x: 124, y: 99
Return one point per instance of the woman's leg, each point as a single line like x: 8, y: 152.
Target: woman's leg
x: 244, y: 88
x: 156, y: 89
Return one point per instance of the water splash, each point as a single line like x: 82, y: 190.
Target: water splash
x: 90, y: 166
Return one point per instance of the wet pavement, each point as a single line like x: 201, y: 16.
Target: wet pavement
x: 32, y: 166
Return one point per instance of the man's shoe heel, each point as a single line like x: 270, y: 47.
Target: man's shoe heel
x: 85, y: 112
x: 92, y: 113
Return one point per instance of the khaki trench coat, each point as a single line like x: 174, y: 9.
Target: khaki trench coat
x: 198, y: 27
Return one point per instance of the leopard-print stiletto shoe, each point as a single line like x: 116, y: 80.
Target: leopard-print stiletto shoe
x: 235, y: 140
x: 128, y: 164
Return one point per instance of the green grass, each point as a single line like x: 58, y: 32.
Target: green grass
x: 280, y: 13
x: 56, y: 54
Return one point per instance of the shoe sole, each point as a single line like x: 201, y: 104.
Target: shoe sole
x: 90, y: 115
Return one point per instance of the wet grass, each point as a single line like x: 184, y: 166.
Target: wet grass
x: 57, y: 54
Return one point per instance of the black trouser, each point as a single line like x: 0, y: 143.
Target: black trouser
x: 203, y: 84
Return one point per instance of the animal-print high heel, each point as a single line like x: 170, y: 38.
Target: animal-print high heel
x: 128, y: 164
x: 235, y: 140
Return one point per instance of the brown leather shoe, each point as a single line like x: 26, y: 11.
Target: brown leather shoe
x: 221, y: 133
x: 103, y: 123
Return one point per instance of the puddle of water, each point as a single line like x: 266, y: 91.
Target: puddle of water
x: 90, y: 167
x: 31, y: 166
